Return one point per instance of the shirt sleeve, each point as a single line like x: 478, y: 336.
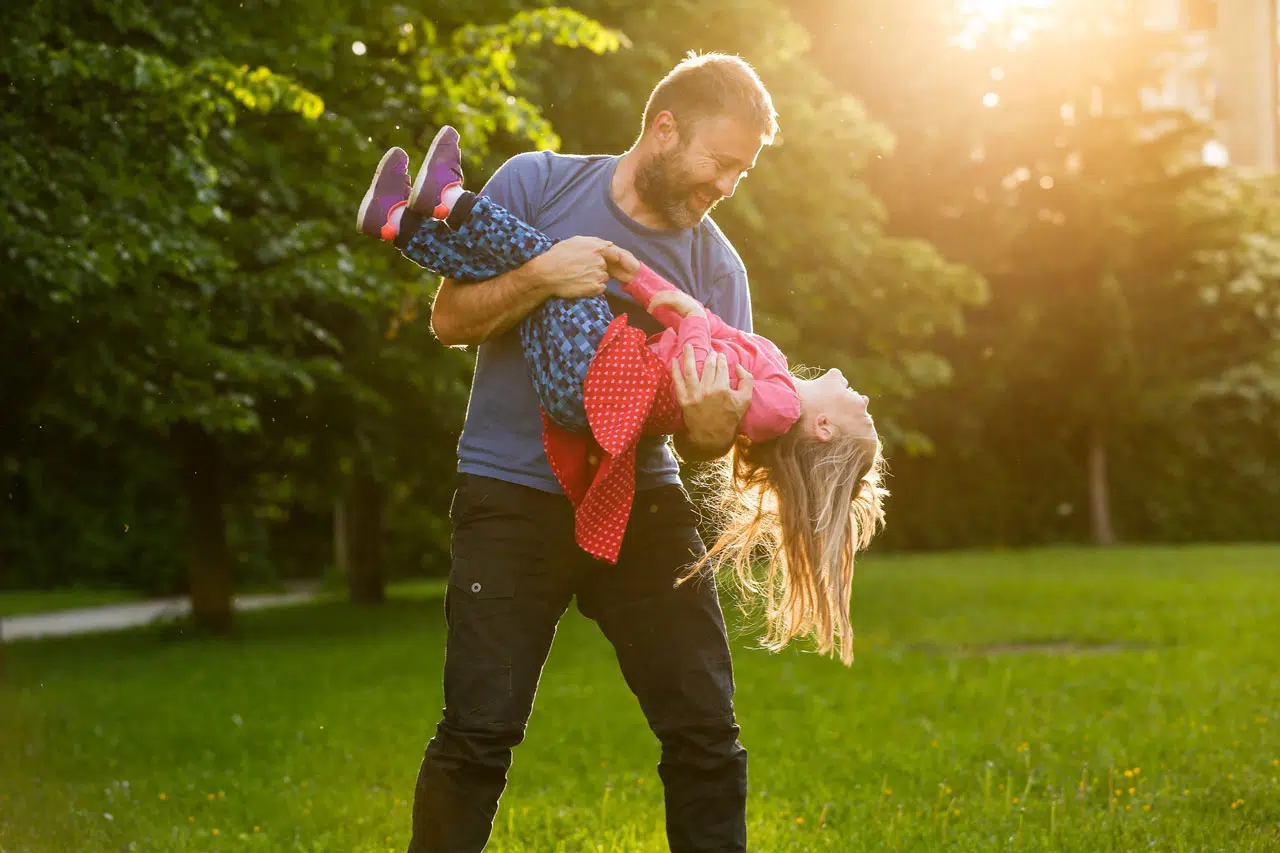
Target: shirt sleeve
x: 645, y: 284
x: 695, y: 331
x: 519, y: 185
x: 731, y: 299
x: 700, y: 332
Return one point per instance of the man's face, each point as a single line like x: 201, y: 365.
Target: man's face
x: 695, y: 167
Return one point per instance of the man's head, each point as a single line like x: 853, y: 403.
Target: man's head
x: 704, y: 126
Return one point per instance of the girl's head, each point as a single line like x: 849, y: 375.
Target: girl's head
x: 830, y: 409
x: 803, y: 505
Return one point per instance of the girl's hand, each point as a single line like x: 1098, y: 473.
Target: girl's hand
x: 678, y: 301
x: 620, y: 263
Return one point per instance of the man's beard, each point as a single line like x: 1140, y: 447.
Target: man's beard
x: 663, y: 184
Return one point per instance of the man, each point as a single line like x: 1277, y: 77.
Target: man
x: 515, y: 565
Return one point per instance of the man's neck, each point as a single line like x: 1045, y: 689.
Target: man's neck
x: 623, y: 190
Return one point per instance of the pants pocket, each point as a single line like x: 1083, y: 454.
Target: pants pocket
x: 477, y: 676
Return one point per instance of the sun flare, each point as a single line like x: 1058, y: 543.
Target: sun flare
x: 994, y: 10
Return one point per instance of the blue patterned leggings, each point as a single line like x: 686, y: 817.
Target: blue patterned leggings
x: 559, y: 338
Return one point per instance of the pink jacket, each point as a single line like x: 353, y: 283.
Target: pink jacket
x: 775, y: 407
x: 629, y: 393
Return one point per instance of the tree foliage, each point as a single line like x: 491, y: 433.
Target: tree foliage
x: 1127, y: 277
x: 182, y: 183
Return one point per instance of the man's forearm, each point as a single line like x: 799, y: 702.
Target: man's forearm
x: 703, y: 449
x: 470, y: 314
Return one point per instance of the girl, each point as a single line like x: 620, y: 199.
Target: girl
x: 803, y: 482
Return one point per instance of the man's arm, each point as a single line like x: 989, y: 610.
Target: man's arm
x: 692, y: 450
x: 470, y: 314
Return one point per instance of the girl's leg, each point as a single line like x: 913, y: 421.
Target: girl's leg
x: 468, y: 254
x: 559, y: 338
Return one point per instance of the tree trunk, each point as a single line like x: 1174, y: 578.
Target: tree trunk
x: 364, y: 530
x: 210, y: 567
x: 341, y: 548
x: 1099, y: 497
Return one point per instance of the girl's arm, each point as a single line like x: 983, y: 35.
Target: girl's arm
x: 667, y: 303
x: 675, y: 309
x: 714, y: 409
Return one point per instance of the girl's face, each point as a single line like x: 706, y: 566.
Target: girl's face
x: 829, y: 407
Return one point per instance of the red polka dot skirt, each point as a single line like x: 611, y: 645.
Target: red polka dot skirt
x: 628, y: 394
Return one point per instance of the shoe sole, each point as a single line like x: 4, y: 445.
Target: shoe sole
x: 373, y: 186
x: 423, y: 171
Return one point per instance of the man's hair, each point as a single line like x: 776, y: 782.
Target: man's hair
x: 712, y: 85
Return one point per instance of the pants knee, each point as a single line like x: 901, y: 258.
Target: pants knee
x: 487, y: 744
x: 706, y: 744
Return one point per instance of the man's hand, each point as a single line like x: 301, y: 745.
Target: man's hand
x: 678, y: 301
x: 574, y: 268
x: 712, y: 410
x: 467, y: 315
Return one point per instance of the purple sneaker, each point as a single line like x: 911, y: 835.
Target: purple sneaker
x: 440, y: 170
x: 390, y: 187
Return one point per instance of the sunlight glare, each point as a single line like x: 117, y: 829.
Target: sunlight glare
x: 994, y: 10
x: 1215, y: 154
x: 985, y: 15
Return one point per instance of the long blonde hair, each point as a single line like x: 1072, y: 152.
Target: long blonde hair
x: 805, y: 507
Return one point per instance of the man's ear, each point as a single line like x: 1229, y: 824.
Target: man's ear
x: 665, y: 131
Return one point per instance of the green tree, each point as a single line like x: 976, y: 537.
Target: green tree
x: 181, y: 183
x: 1033, y: 146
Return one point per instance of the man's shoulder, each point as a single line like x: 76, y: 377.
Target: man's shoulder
x: 545, y: 180
x: 555, y: 168
x: 724, y: 258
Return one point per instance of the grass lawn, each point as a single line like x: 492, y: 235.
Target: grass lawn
x: 19, y: 603
x: 1050, y: 700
